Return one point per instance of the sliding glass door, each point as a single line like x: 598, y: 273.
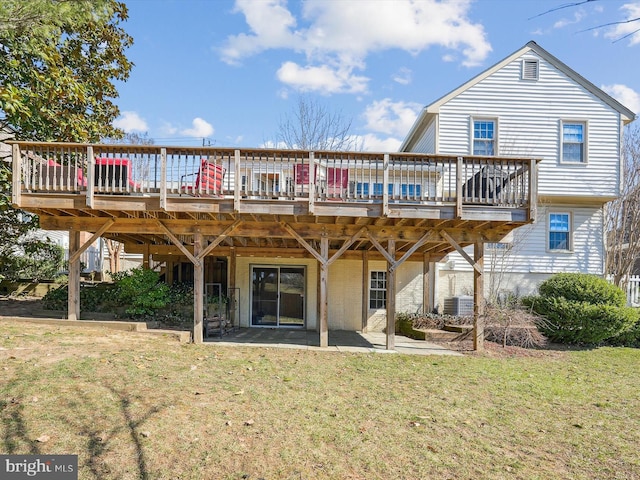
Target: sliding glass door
x: 277, y: 296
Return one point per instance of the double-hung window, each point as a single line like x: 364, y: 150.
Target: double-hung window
x: 574, y: 135
x: 559, y: 231
x: 378, y: 289
x: 484, y: 137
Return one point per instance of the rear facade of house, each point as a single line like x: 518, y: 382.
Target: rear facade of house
x: 531, y: 104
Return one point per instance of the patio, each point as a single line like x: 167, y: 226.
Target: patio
x: 339, y: 341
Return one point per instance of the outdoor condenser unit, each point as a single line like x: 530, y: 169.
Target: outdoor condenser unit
x: 462, y: 305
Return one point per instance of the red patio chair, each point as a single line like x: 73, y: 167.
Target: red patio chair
x: 208, y: 180
x: 112, y: 173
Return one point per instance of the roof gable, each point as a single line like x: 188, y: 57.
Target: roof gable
x: 433, y: 108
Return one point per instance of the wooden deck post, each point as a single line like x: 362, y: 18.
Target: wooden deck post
x: 324, y: 304
x: 478, y: 296
x: 73, y: 301
x: 198, y: 290
x: 365, y: 291
x: 427, y: 304
x: 231, y: 272
x: 145, y: 256
x: 391, y: 297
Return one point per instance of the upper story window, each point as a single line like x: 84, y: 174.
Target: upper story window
x: 573, y: 145
x: 484, y: 137
x: 559, y: 228
x: 530, y: 69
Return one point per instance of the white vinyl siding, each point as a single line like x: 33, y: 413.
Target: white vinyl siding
x: 530, y: 114
x: 529, y: 253
x: 427, y: 142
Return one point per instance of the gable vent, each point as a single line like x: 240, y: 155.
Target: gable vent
x: 530, y: 70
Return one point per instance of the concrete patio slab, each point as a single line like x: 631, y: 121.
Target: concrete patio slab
x: 339, y: 341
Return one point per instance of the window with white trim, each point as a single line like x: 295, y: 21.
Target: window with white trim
x: 378, y: 289
x: 484, y: 137
x: 530, y: 69
x: 573, y: 142
x: 559, y: 227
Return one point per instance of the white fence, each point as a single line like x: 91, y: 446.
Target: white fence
x: 633, y: 290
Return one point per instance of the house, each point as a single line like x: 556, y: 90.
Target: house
x: 533, y: 105
x: 332, y: 240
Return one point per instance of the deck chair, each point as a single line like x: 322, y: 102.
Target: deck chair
x: 113, y: 173
x: 486, y: 185
x: 337, y: 182
x: 301, y: 177
x: 53, y: 176
x: 208, y: 180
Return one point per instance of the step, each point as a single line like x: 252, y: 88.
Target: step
x: 437, y: 335
x: 458, y: 328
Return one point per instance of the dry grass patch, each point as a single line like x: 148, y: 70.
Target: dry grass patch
x: 134, y: 406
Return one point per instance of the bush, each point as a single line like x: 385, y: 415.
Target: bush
x: 580, y: 308
x: 141, y: 290
x: 628, y: 338
x: 580, y: 287
x: 138, y: 291
x: 513, y: 325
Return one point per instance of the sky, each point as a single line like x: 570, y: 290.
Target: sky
x: 228, y: 72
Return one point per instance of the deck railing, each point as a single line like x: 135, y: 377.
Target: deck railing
x: 217, y: 173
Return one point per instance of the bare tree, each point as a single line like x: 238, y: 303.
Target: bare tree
x: 312, y: 126
x: 629, y: 21
x: 622, y: 220
x: 115, y: 249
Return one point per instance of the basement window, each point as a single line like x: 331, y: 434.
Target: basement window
x: 378, y: 290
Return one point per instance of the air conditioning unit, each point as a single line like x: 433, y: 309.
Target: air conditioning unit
x: 462, y: 305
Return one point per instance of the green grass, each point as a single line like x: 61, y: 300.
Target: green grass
x: 133, y: 406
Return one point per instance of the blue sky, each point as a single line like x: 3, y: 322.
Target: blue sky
x: 226, y: 72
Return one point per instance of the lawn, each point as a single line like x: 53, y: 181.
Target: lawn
x: 135, y: 406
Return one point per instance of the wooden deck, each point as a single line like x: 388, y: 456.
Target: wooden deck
x: 191, y: 201
x: 263, y: 194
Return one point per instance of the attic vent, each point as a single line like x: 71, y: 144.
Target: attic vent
x: 530, y: 70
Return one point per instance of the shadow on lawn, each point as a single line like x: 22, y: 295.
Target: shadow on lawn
x: 99, y: 442
x: 15, y: 430
x: 16, y: 433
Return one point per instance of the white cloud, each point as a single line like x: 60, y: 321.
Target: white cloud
x: 336, y: 37
x: 578, y: 16
x: 403, y: 76
x: 632, y: 11
x: 625, y: 95
x: 131, y: 122
x: 322, y: 79
x: 270, y: 23
x: 200, y: 128
x: 391, y: 118
x: 373, y: 143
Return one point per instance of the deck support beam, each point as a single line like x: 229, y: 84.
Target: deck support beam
x: 73, y: 301
x: 365, y: 291
x: 198, y: 290
x: 324, y: 283
x: 391, y: 298
x: 427, y: 303
x: 478, y: 297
